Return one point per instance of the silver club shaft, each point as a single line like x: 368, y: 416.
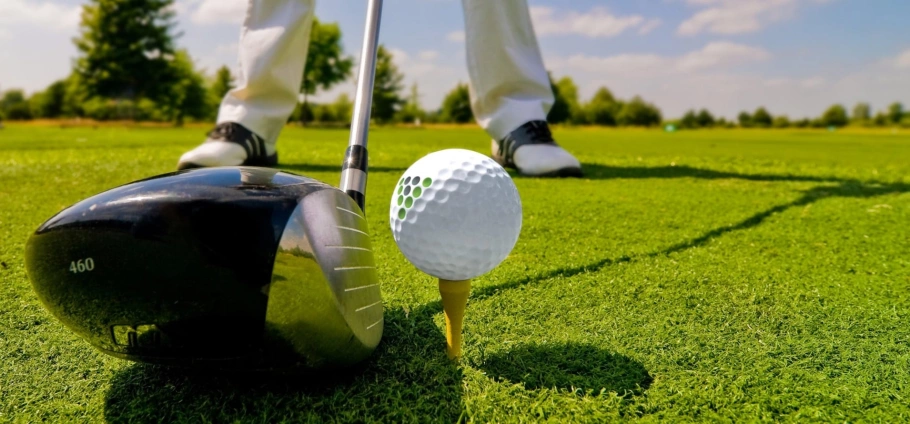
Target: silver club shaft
x: 354, y: 170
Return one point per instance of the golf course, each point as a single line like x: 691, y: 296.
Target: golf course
x: 707, y: 275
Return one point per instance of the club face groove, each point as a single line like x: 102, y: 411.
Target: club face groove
x: 355, y: 230
x: 350, y: 212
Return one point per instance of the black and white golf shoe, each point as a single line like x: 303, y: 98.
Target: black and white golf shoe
x: 230, y: 144
x: 532, y: 151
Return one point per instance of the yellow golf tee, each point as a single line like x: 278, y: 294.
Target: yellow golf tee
x: 454, y: 301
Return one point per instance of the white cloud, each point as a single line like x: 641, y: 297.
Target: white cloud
x: 790, y: 83
x: 415, y: 67
x: 596, y: 23
x: 45, y: 14
x: 676, y: 84
x: 813, y: 82
x: 457, y: 36
x: 721, y: 54
x: 219, y: 11
x: 716, y: 55
x: 223, y: 54
x: 182, y: 7
x: 623, y: 64
x: 738, y: 16
x: 399, y: 55
x: 649, y: 26
x: 230, y: 48
x: 428, y: 55
x: 903, y: 60
x: 777, y: 82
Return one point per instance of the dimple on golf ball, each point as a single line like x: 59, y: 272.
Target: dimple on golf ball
x: 455, y: 214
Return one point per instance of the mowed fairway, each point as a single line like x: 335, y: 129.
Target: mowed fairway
x: 696, y: 276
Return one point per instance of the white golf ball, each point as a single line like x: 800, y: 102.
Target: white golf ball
x: 455, y: 214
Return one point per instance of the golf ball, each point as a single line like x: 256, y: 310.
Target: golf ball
x: 455, y: 214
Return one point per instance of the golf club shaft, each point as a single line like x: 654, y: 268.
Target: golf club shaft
x: 354, y: 170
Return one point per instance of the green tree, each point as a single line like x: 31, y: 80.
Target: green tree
x: 343, y: 108
x: 224, y: 82
x: 689, y: 120
x: 387, y: 87
x: 782, y: 121
x: 745, y: 119
x: 456, y: 107
x: 568, y: 91
x: 75, y: 97
x: 35, y: 103
x: 302, y: 113
x: 323, y: 113
x: 603, y: 108
x: 565, y: 95
x: 637, y: 112
x: 761, y: 118
x: 188, y: 97
x: 50, y: 102
x: 895, y: 112
x: 862, y: 113
x: 705, y: 119
x: 432, y: 116
x: 326, y: 63
x: 559, y: 111
x: 126, y: 49
x: 411, y: 110
x: 881, y: 119
x: 835, y: 116
x: 14, y: 106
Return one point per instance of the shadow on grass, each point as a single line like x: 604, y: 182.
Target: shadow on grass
x: 595, y: 171
x: 408, y: 378
x: 844, y: 188
x: 579, y: 368
x: 305, y: 168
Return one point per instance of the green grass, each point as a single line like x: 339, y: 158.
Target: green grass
x: 695, y: 276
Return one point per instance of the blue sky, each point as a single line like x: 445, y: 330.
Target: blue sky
x: 794, y: 57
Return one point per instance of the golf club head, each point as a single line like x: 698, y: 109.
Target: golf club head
x: 224, y: 268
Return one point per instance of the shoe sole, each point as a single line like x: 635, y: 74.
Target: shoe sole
x: 570, y: 172
x: 561, y: 173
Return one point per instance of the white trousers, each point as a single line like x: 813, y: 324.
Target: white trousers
x: 509, y: 84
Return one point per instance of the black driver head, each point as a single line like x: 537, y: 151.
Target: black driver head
x: 232, y: 267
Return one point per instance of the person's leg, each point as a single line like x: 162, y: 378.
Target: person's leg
x: 272, y: 54
x: 510, y: 87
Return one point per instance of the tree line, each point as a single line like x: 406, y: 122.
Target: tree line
x: 835, y: 116
x: 129, y: 67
